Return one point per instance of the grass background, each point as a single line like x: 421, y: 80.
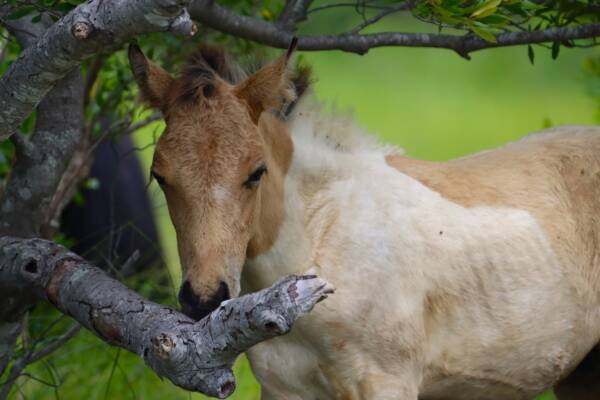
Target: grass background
x: 430, y: 102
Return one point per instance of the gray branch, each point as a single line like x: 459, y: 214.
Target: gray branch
x: 42, y: 159
x: 196, y: 356
x: 89, y: 28
x: 9, y: 332
x: 42, y: 162
x: 222, y: 19
x: 294, y: 12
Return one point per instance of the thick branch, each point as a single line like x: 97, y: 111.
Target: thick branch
x: 92, y: 26
x: 195, y: 356
x: 222, y: 19
x: 34, y: 177
x: 40, y: 166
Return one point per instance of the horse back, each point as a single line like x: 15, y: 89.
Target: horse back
x: 554, y: 175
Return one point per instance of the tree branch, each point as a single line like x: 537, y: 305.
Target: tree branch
x: 89, y: 28
x: 40, y: 163
x: 37, y: 172
x: 294, y: 12
x: 195, y: 356
x: 224, y: 20
x: 9, y: 332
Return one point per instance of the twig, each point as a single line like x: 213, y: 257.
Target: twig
x: 366, y: 4
x: 389, y: 10
x: 90, y: 78
x: 3, y: 48
x: 143, y: 123
x: 31, y: 357
x: 55, y: 344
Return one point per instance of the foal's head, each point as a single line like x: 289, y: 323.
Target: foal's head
x: 220, y: 163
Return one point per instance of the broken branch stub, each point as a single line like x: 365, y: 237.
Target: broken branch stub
x: 196, y: 356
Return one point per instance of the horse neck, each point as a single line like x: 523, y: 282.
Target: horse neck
x: 286, y: 241
x: 314, y: 153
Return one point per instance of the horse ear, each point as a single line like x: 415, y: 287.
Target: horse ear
x: 270, y: 87
x: 154, y: 81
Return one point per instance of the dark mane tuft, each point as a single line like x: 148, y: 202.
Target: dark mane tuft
x: 200, y: 70
x: 220, y: 62
x: 301, y: 80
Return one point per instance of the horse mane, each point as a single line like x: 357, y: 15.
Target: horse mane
x: 209, y: 61
x: 333, y: 131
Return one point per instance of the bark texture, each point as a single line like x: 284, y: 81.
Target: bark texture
x: 42, y: 160
x: 91, y: 27
x: 196, y: 356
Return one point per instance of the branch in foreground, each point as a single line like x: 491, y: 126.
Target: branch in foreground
x: 89, y: 28
x: 222, y: 19
x: 195, y: 356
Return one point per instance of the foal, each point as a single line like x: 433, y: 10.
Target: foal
x: 476, y: 278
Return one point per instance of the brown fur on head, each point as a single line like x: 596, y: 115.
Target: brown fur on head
x: 221, y: 163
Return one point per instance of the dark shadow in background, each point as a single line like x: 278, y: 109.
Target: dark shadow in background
x: 116, y: 219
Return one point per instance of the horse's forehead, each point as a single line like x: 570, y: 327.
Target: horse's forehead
x: 203, y: 156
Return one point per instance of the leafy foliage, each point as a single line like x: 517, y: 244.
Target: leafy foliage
x: 488, y: 17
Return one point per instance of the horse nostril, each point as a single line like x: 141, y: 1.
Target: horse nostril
x: 187, y: 297
x: 223, y: 292
x: 197, y: 307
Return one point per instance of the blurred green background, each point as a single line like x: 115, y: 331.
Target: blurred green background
x: 432, y: 103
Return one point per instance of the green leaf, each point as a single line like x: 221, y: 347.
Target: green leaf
x: 530, y: 54
x: 488, y: 8
x: 517, y: 9
x: 92, y: 184
x: 555, y: 50
x: 496, y: 20
x: 484, y: 34
x: 21, y: 12
x: 78, y: 199
x: 36, y: 18
x: 64, y: 7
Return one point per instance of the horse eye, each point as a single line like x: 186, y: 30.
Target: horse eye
x: 159, y: 178
x: 254, y: 177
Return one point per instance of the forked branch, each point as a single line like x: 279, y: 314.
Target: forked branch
x: 196, y: 356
